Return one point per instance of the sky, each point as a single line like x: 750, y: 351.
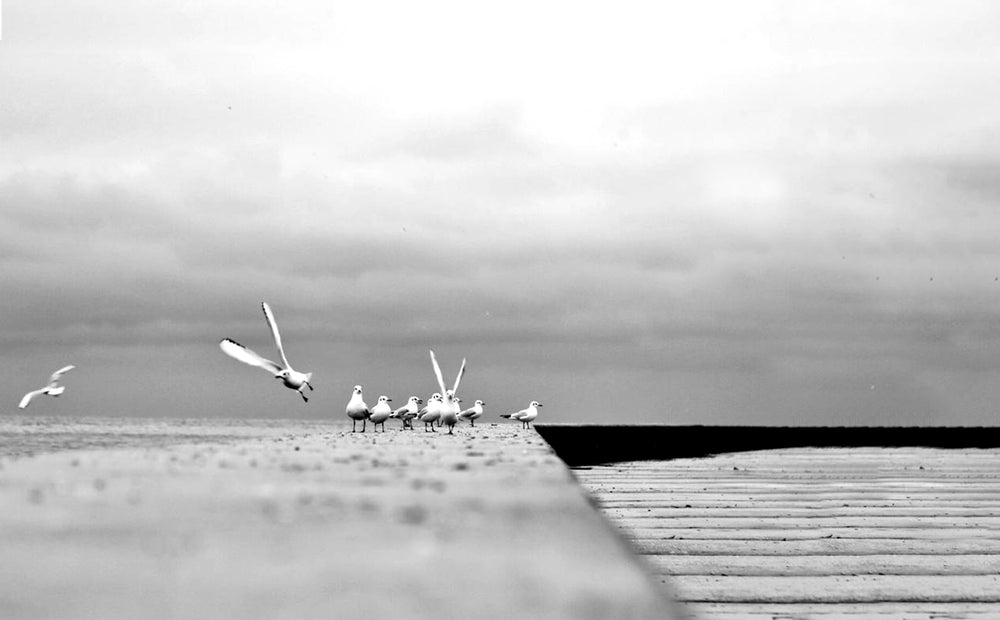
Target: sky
x: 724, y: 212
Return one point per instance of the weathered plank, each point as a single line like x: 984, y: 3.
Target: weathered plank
x: 825, y: 533
x: 839, y: 589
x: 638, y: 518
x: 844, y: 611
x: 818, y: 565
x: 849, y: 534
x: 828, y: 546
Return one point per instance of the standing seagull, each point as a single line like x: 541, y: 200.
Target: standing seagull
x: 52, y: 389
x: 381, y: 412
x: 429, y: 414
x: 525, y: 416
x: 358, y: 410
x: 473, y: 413
x: 407, y: 412
x: 292, y: 379
x: 449, y: 408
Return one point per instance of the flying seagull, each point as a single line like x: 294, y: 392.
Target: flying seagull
x: 292, y: 378
x: 52, y: 389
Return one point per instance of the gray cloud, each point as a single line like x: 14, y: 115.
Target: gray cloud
x: 799, y: 227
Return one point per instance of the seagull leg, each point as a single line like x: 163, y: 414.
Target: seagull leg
x: 364, y: 424
x: 310, y: 386
x: 354, y: 428
x: 304, y: 397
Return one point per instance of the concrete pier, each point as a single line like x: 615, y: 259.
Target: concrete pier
x: 292, y: 519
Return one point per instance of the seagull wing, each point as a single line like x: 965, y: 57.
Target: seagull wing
x: 458, y: 379
x: 239, y: 352
x: 27, y: 397
x: 58, y: 374
x: 437, y: 372
x: 274, y: 331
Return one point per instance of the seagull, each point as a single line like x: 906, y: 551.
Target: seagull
x: 358, y: 410
x: 407, y: 412
x: 381, y: 412
x: 525, y: 416
x: 449, y: 408
x: 473, y: 413
x: 429, y: 414
x: 291, y: 378
x: 52, y: 389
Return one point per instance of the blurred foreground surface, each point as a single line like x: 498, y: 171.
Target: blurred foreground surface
x: 122, y: 518
x: 820, y: 533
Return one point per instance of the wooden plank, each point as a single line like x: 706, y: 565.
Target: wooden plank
x: 844, y: 611
x: 826, y: 546
x: 817, y: 565
x: 860, y: 534
x: 804, y: 510
x: 638, y: 519
x: 829, y: 533
x: 840, y: 589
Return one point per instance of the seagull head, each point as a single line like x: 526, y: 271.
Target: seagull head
x: 283, y: 374
x: 357, y: 389
x: 535, y: 403
x: 480, y: 402
x: 384, y: 399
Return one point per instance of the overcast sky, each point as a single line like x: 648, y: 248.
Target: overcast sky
x: 714, y: 212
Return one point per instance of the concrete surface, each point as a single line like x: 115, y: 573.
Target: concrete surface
x: 289, y: 519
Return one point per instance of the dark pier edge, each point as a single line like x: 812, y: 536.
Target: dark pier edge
x: 592, y: 444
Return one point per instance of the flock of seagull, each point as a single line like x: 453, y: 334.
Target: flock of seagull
x: 443, y: 408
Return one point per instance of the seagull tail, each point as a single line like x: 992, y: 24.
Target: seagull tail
x: 506, y: 415
x: 309, y: 377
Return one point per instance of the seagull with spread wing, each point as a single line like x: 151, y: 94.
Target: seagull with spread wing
x: 52, y: 389
x: 449, y: 408
x: 292, y: 378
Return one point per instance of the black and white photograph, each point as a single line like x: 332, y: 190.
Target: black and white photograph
x: 440, y: 309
